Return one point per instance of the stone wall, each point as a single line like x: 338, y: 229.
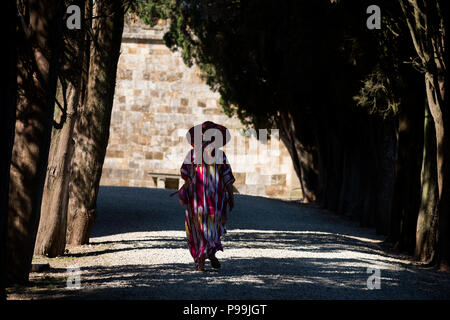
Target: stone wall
x: 157, y: 99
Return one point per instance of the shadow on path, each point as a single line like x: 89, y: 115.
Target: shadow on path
x: 129, y: 209
x: 273, y: 250
x: 256, y: 278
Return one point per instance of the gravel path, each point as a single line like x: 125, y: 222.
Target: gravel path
x: 273, y: 250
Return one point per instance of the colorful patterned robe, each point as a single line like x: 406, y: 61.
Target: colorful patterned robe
x: 206, y: 213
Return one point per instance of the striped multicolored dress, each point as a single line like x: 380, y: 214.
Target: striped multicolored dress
x: 206, y: 213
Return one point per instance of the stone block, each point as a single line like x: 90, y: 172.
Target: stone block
x: 174, y: 76
x: 254, y: 178
x: 124, y: 182
x: 255, y: 190
x: 211, y: 111
x: 154, y: 155
x: 124, y: 74
x: 132, y: 50
x: 296, y: 193
x: 164, y: 109
x: 138, y: 155
x: 114, y: 154
x: 279, y: 179
x: 106, y: 172
x: 201, y: 103
x: 182, y: 110
x: 212, y: 103
x: 239, y: 177
x: 184, y: 102
x: 275, y: 191
x: 133, y: 165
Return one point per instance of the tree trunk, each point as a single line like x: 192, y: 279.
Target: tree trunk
x: 438, y: 104
x: 303, y: 157
x: 410, y: 148
x: 354, y: 195
x: 8, y: 89
x: 386, y: 146
x: 51, y: 236
x: 427, y: 221
x: 92, y: 126
x: 428, y: 25
x: 38, y: 52
x: 334, y: 163
x: 369, y: 177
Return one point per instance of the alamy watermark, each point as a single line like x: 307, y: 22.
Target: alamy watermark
x: 374, y: 20
x: 374, y: 280
x: 74, y: 277
x: 73, y: 21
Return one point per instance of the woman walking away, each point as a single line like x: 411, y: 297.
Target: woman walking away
x: 208, y: 191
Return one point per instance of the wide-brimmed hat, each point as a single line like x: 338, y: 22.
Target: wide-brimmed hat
x: 202, y: 128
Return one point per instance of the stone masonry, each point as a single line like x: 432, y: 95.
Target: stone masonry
x: 157, y: 99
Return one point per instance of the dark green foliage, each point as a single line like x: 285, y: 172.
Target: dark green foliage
x: 263, y: 57
x: 151, y: 11
x: 313, y: 62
